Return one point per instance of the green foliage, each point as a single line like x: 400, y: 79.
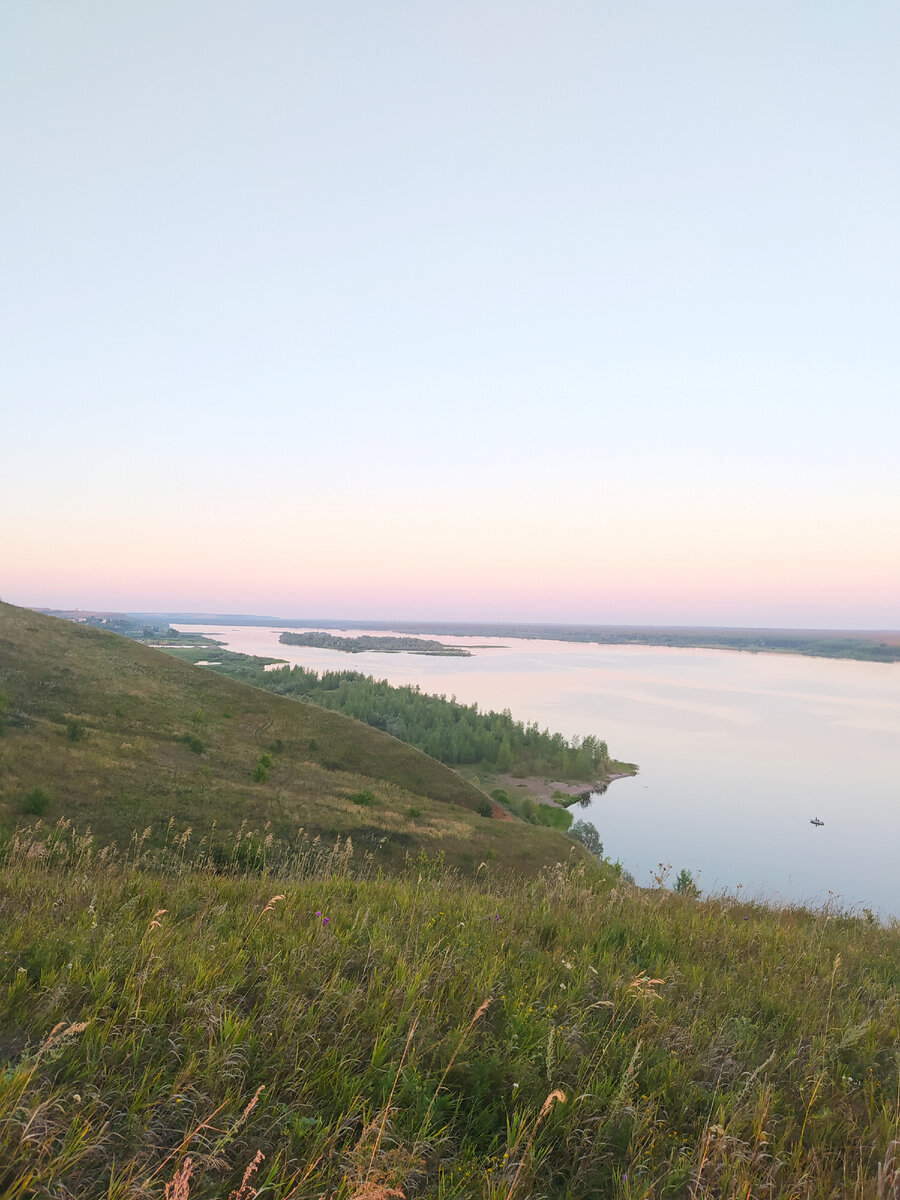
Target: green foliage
x: 552, y: 817
x: 158, y: 999
x: 454, y: 733
x: 35, y: 803
x: 549, y: 816
x: 586, y: 833
x: 365, y: 798
x: 4, y: 706
x: 192, y: 742
x: 262, y: 768
x: 413, y: 812
x: 485, y: 809
x: 685, y: 884
x: 75, y: 730
x: 501, y: 795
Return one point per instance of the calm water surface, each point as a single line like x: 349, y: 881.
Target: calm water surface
x: 736, y: 751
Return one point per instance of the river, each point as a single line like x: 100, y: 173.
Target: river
x: 737, y: 753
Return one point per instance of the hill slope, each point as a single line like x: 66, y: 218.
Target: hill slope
x: 119, y: 736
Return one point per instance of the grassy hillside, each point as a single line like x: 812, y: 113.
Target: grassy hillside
x: 341, y: 1035
x: 119, y: 737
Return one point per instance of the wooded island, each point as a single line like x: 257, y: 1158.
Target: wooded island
x: 383, y: 645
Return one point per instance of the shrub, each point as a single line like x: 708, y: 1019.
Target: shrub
x: 192, y: 742
x: 485, y: 808
x: 501, y: 795
x: 685, y: 883
x: 35, y: 803
x: 365, y: 798
x: 551, y: 816
x: 75, y: 730
x: 414, y: 812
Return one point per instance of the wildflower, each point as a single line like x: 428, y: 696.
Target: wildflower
x: 325, y: 921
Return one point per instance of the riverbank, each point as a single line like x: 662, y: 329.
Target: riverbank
x: 558, y: 793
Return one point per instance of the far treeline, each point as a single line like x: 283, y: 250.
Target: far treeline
x: 866, y: 647
x: 456, y: 734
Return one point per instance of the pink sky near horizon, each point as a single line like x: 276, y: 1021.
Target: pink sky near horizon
x: 704, y: 583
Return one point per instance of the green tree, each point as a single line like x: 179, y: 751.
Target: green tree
x: 586, y: 833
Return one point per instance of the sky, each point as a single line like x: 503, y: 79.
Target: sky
x: 508, y: 310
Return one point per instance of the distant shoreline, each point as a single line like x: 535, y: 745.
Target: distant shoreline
x: 861, y: 645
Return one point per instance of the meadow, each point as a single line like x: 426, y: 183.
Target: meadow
x: 193, y: 1022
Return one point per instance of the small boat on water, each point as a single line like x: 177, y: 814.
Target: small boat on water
x: 816, y: 821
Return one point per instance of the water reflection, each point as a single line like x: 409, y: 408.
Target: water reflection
x: 588, y: 797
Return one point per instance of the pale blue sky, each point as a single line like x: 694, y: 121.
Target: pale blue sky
x: 561, y: 311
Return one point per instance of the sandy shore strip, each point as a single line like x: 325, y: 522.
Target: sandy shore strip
x: 542, y: 789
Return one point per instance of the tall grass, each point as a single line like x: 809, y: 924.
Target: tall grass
x: 205, y: 1020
